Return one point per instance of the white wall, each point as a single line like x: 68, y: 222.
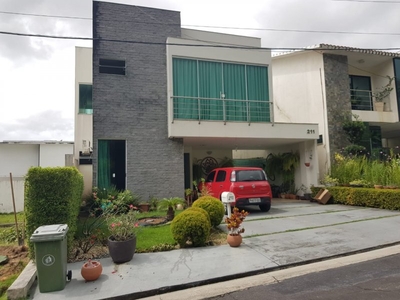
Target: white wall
x: 299, y: 95
x: 18, y: 158
x: 53, y: 155
x: 6, y: 202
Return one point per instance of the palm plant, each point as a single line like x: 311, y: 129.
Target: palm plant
x: 170, y: 204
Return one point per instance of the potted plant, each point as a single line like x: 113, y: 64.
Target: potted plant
x: 170, y: 205
x: 122, y: 239
x: 234, y: 223
x: 381, y: 94
x: 144, y: 206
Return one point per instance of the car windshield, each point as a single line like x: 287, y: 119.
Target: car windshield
x: 250, y: 175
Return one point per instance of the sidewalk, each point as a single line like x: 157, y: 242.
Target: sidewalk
x: 295, y: 233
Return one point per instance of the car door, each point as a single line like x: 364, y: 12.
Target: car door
x: 220, y: 184
x: 210, y: 182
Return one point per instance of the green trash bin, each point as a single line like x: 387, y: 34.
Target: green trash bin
x: 51, y: 257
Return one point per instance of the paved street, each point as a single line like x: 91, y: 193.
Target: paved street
x: 371, y: 280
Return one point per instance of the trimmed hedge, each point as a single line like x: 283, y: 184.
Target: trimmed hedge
x: 213, y: 207
x: 52, y: 196
x: 368, y: 197
x: 191, y: 225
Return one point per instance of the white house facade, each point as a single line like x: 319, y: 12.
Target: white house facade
x: 324, y: 82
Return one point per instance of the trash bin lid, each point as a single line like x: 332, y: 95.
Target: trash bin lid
x: 50, y: 233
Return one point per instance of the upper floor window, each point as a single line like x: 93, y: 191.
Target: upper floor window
x: 85, y: 99
x: 112, y: 66
x: 213, y: 90
x: 360, y: 92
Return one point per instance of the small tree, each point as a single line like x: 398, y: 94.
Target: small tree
x: 170, y: 204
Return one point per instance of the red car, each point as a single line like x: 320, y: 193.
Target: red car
x: 249, y: 185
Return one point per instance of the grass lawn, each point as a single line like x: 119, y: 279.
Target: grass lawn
x: 10, y: 219
x: 152, y: 238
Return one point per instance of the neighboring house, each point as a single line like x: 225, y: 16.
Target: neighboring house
x: 165, y: 97
x: 324, y: 82
x: 18, y: 156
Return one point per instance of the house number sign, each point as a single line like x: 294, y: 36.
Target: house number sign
x: 310, y: 131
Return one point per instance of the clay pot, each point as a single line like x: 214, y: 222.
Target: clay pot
x: 234, y: 240
x: 91, y: 270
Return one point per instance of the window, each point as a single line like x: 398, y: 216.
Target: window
x: 85, y: 99
x: 250, y: 175
x: 360, y: 91
x: 210, y: 90
x: 210, y: 177
x: 112, y: 66
x: 221, y: 176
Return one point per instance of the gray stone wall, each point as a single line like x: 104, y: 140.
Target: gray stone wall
x: 134, y: 107
x: 338, y: 103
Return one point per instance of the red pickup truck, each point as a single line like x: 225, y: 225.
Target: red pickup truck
x: 249, y: 185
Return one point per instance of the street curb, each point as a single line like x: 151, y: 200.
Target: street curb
x: 179, y: 287
x: 21, y: 286
x: 228, y: 287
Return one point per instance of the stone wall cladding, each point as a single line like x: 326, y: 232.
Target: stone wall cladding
x: 134, y: 107
x: 337, y: 89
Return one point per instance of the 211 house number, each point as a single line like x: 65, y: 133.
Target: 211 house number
x: 310, y: 131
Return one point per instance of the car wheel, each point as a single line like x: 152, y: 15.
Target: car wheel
x: 265, y: 207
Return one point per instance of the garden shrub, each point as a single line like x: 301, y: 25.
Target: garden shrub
x: 201, y: 211
x: 191, y: 225
x: 368, y: 197
x: 52, y: 196
x: 213, y: 207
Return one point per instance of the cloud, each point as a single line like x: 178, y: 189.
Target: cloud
x: 21, y: 50
x: 46, y: 125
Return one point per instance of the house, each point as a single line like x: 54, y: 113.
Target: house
x: 324, y: 82
x: 18, y: 156
x: 166, y: 97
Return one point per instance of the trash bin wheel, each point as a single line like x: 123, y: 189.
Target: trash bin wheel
x: 69, y: 275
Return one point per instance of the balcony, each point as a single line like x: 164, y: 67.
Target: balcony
x: 224, y: 110
x: 361, y: 100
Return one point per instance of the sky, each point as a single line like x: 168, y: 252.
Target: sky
x: 37, y: 74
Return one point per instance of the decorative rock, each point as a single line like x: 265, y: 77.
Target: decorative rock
x: 3, y: 260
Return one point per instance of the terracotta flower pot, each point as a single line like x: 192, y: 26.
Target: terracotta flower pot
x: 234, y: 240
x: 121, y: 251
x: 91, y: 270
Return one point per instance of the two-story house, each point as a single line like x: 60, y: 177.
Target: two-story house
x: 163, y: 96
x: 323, y: 83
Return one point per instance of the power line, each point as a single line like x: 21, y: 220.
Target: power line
x: 224, y: 27
x: 191, y: 45
x: 47, y: 16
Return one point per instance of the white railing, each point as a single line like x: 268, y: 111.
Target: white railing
x: 361, y: 99
x: 217, y: 109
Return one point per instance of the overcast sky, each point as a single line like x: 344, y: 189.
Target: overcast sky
x: 37, y: 74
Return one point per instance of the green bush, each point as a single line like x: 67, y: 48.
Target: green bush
x: 52, y: 196
x: 200, y: 210
x: 368, y: 197
x: 213, y: 207
x: 191, y: 225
